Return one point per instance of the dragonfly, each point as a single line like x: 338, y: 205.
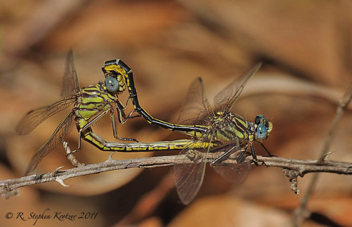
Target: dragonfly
x: 232, y: 133
x: 90, y: 104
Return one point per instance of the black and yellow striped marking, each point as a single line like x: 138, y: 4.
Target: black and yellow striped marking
x: 121, y: 68
x: 90, y: 104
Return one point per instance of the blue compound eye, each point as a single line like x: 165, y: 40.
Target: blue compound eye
x: 259, y: 119
x: 261, y: 132
x: 111, y: 84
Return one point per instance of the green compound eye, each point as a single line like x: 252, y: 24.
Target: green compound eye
x: 111, y: 84
x: 261, y: 132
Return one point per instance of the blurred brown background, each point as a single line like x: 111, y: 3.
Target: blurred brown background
x: 306, y: 50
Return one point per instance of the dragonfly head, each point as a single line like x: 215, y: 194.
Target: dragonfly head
x: 263, y: 128
x: 115, y: 76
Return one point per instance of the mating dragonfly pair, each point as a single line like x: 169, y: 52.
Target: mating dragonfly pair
x: 219, y: 131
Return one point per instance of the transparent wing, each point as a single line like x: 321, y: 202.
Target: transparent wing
x: 36, y: 116
x: 234, y: 173
x: 196, y: 109
x: 189, y: 177
x: 51, y: 143
x: 70, y: 84
x: 229, y: 95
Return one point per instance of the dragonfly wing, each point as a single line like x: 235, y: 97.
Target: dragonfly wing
x: 70, y: 84
x: 234, y: 173
x: 51, y: 143
x: 189, y: 177
x: 229, y: 95
x: 196, y: 109
x: 34, y: 117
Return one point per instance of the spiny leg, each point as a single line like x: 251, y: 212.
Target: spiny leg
x: 255, y: 160
x: 69, y: 154
x: 129, y: 115
x: 121, y: 114
x: 96, y: 118
x: 224, y: 156
x: 267, y: 151
x: 218, y: 161
x: 86, y: 129
x: 242, y: 157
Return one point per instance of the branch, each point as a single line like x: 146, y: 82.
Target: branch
x: 300, y: 212
x: 292, y: 168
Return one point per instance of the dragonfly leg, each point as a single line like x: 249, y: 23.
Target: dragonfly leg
x: 121, y: 113
x: 100, y: 115
x: 69, y: 154
x: 266, y: 150
x: 130, y: 114
x: 240, y: 159
x: 255, y: 160
x: 218, y: 161
x: 127, y: 102
x: 114, y: 128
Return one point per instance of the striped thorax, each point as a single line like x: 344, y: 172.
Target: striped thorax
x: 90, y: 101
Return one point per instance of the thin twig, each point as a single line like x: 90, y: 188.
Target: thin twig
x: 300, y: 212
x: 299, y: 167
